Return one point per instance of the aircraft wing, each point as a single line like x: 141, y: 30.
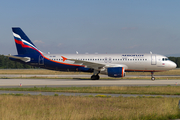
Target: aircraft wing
x: 25, y: 59
x: 87, y: 64
x: 94, y: 65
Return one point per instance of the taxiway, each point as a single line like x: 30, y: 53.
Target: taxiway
x: 83, y: 82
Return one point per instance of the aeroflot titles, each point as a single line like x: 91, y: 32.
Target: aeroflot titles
x: 133, y: 55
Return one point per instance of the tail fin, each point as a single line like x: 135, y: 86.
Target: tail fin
x: 23, y: 43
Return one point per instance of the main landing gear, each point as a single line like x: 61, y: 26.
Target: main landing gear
x: 95, y: 75
x: 152, y: 76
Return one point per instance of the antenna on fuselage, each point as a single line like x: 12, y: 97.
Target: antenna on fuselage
x: 150, y: 52
x: 76, y: 52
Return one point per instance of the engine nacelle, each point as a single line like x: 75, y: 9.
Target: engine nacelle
x: 115, y: 72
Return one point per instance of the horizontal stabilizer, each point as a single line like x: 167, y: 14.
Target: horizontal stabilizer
x: 25, y: 59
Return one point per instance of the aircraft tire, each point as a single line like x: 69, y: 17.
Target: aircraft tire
x: 95, y: 77
x: 153, y: 78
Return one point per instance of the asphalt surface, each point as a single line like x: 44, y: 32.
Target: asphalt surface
x: 78, y: 82
x: 83, y: 76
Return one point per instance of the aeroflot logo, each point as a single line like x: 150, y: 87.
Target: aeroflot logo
x: 133, y: 55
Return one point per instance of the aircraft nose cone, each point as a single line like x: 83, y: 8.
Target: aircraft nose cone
x: 173, y: 65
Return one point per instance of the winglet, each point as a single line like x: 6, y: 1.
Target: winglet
x: 64, y: 58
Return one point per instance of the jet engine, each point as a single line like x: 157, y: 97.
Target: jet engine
x: 115, y: 71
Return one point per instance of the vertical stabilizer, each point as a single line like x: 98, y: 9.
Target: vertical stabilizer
x: 23, y: 43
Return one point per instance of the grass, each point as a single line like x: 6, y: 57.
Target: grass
x: 87, y: 108
x: 99, y: 107
x: 88, y: 78
x: 51, y: 72
x: 150, y: 90
x: 170, y: 72
x: 36, y: 72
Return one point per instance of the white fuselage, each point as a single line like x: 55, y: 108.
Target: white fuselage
x: 131, y: 62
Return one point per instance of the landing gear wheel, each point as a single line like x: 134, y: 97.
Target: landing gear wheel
x: 153, y: 78
x: 95, y: 77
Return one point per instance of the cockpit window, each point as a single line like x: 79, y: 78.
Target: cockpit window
x: 165, y: 59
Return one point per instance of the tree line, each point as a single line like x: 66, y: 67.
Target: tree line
x: 176, y: 60
x: 5, y: 63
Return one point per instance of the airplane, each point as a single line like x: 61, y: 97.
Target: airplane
x: 113, y: 65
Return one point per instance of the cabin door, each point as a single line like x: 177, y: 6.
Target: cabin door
x: 41, y: 60
x: 153, y: 59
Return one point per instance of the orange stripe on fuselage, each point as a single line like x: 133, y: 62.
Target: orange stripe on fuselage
x: 131, y: 70
x: 63, y: 63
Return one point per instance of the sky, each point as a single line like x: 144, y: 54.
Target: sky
x: 93, y: 26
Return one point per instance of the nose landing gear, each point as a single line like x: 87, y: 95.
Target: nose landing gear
x: 152, y: 76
